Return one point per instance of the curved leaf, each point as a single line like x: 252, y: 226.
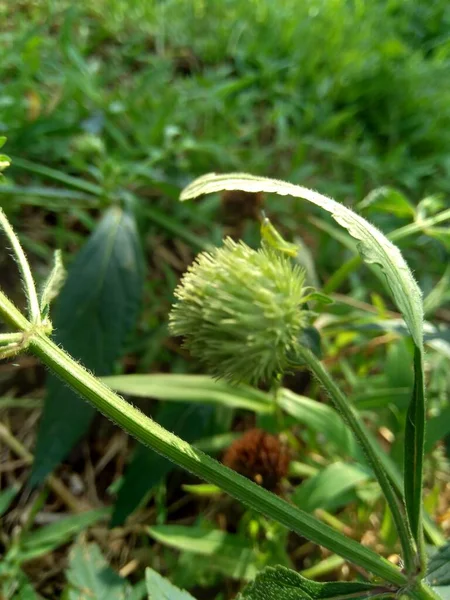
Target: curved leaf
x: 93, y: 316
x: 191, y: 388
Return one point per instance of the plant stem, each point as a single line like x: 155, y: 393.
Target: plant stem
x: 424, y: 592
x: 352, y: 418
x: 183, y: 454
x: 152, y: 434
x: 28, y: 282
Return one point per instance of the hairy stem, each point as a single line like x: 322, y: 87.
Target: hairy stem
x: 34, y: 312
x: 352, y: 418
x: 151, y: 434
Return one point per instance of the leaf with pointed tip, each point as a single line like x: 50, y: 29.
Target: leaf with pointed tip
x: 160, y: 588
x: 230, y: 553
x: 46, y: 539
x: 93, y: 316
x: 280, y: 583
x: 191, y: 388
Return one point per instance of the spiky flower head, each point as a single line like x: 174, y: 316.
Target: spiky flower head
x: 240, y: 311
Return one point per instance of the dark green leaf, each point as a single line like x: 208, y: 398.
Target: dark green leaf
x: 6, y: 497
x: 437, y: 428
x: 148, y: 468
x: 438, y: 572
x: 90, y: 576
x: 280, y: 583
x: 93, y: 316
x: 311, y: 339
x: 414, y: 448
x: 159, y: 588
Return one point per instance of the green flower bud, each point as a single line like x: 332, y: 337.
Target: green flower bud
x: 240, y: 311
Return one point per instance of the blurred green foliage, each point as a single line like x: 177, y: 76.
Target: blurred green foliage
x: 120, y: 103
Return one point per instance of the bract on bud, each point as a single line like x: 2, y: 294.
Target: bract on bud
x: 240, y: 311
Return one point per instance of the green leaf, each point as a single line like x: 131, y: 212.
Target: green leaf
x: 327, y: 489
x: 27, y: 593
x: 438, y: 572
x: 23, y: 587
x: 389, y: 200
x: 311, y: 339
x: 439, y: 295
x: 321, y: 418
x: 438, y: 428
x: 232, y: 555
x: 93, y: 316
x: 280, y: 583
x: 191, y: 388
x: 46, y: 539
x: 148, y: 468
x: 54, y: 282
x: 6, y: 497
x: 159, y: 588
x: 54, y: 174
x: 414, y: 448
x: 47, y: 196
x: 90, y: 576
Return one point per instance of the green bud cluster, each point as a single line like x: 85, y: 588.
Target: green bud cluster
x: 240, y: 311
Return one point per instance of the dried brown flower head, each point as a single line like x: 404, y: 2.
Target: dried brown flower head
x: 259, y: 456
